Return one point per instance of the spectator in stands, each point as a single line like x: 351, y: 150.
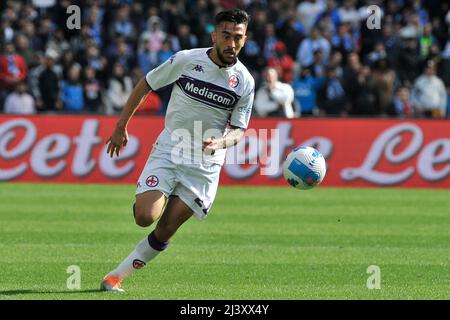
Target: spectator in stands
x: 93, y: 58
x: 366, y: 100
x: 429, y: 95
x: 407, y: 62
x: 46, y: 88
x: 184, y: 39
x: 94, y: 23
x: 57, y: 42
x: 80, y: 39
x: 305, y: 53
x: 154, y: 35
x: 384, y: 80
x: 391, y: 42
x: 124, y: 55
x: 413, y: 27
x: 119, y: 89
x: 13, y: 68
x: 29, y: 30
x: 336, y: 62
x: 251, y: 54
x: 20, y: 101
x: 6, y: 32
x: 72, y: 95
x: 378, y: 53
x: 165, y: 53
x: 282, y: 62
x: 318, y: 66
x: 147, y: 57
x: 173, y: 14
x: 29, y: 13
x: 66, y: 61
x: 44, y: 32
x: 348, y: 13
x: 23, y: 49
x: 401, y: 105
x: 92, y: 89
x: 343, y: 40
x: 290, y: 31
x: 426, y: 40
x: 122, y: 25
x: 331, y: 10
x: 136, y: 15
x: 204, y: 21
x: 332, y: 96
x: 350, y: 77
x: 307, y: 13
x: 258, y: 25
x: 305, y: 88
x: 274, y: 98
x: 270, y: 41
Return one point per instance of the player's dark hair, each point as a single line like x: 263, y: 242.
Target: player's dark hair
x: 237, y: 16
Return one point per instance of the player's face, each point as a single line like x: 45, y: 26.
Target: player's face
x: 228, y: 39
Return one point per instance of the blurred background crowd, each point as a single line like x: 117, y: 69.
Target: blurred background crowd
x: 309, y: 58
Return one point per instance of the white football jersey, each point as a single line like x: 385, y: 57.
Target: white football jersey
x: 205, y: 99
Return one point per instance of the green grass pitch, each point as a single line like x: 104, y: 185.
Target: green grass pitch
x: 257, y: 243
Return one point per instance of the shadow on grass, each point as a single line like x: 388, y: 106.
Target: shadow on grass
x: 19, y: 292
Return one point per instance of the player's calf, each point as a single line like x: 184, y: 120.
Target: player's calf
x: 175, y: 214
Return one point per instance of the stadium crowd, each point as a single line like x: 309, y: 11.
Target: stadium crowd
x: 309, y: 58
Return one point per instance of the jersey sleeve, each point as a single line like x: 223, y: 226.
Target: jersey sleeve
x: 168, y: 72
x: 243, y: 110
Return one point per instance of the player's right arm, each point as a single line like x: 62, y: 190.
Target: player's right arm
x: 165, y: 74
x: 119, y: 137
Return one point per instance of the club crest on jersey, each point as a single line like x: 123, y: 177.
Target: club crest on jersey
x: 233, y: 81
x: 152, y: 181
x: 138, y: 264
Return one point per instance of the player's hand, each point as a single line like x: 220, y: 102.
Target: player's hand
x: 210, y: 145
x: 118, y: 139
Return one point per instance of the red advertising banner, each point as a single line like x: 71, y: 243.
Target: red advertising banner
x: 359, y: 152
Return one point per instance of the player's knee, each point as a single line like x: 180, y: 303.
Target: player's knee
x: 143, y: 221
x: 143, y: 216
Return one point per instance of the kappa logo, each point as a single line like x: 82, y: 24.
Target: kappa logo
x: 201, y: 204
x: 152, y: 181
x: 138, y: 264
x: 198, y: 68
x: 233, y: 81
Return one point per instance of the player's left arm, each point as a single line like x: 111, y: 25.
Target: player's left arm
x: 230, y: 139
x: 238, y: 122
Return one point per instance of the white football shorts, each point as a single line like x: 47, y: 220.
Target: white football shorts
x: 196, y: 184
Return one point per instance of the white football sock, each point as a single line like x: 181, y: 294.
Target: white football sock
x: 137, y: 259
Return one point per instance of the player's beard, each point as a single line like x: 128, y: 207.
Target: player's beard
x: 224, y: 60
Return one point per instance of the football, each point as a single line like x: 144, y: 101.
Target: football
x: 304, y: 168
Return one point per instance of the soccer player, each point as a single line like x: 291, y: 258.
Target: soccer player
x: 208, y: 111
